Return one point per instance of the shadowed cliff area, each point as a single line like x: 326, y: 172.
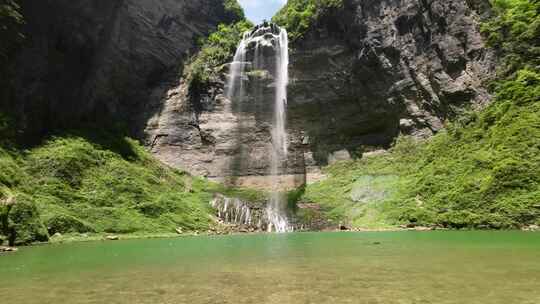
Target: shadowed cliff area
x: 97, y: 63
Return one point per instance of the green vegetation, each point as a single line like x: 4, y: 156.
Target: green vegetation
x: 234, y: 10
x: 515, y: 32
x: 298, y: 16
x: 483, y: 171
x: 217, y: 50
x: 11, y: 21
x: 99, y: 184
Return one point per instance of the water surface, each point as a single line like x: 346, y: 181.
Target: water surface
x: 378, y: 267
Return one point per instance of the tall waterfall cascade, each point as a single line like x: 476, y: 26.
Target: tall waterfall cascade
x: 266, y: 48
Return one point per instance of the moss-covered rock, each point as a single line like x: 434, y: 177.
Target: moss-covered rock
x: 22, y: 223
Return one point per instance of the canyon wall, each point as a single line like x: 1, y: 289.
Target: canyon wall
x: 95, y: 63
x: 360, y: 76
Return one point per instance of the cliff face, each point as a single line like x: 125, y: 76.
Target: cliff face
x: 226, y: 138
x: 377, y: 68
x: 96, y: 62
x: 359, y: 77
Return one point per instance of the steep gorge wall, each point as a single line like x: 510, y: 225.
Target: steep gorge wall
x: 360, y: 76
x: 374, y: 69
x: 96, y: 62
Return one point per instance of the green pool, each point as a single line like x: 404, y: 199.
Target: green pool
x: 378, y: 267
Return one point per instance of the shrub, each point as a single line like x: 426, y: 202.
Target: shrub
x: 216, y: 50
x: 297, y: 16
x: 63, y: 223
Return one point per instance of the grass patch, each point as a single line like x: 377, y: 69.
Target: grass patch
x: 482, y: 173
x: 105, y: 184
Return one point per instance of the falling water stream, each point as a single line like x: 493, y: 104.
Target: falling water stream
x: 276, y: 209
x: 264, y: 36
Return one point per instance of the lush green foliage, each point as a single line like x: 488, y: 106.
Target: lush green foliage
x: 102, y: 183
x: 233, y: 8
x: 297, y: 16
x: 515, y: 31
x: 216, y: 50
x: 482, y: 171
x: 10, y: 28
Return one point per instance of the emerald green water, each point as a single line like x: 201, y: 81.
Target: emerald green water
x: 406, y: 267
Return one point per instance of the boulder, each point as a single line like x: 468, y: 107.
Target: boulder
x: 7, y: 249
x: 23, y: 225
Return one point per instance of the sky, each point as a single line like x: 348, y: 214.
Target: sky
x: 258, y: 10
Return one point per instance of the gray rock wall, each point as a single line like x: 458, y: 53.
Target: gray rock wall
x: 379, y: 68
x: 359, y: 78
x: 96, y: 62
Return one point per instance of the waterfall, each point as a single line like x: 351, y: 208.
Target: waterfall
x: 232, y: 210
x: 237, y: 72
x: 267, y: 46
x: 276, y: 209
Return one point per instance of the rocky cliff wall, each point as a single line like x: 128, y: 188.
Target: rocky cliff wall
x: 374, y: 69
x: 96, y: 62
x: 227, y: 139
x: 360, y: 76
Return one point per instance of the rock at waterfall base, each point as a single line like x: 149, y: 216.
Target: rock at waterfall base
x: 8, y: 249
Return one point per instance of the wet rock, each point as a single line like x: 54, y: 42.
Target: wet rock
x: 344, y: 228
x: 531, y: 228
x: 239, y: 215
x: 112, y: 238
x: 179, y: 230
x: 8, y: 249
